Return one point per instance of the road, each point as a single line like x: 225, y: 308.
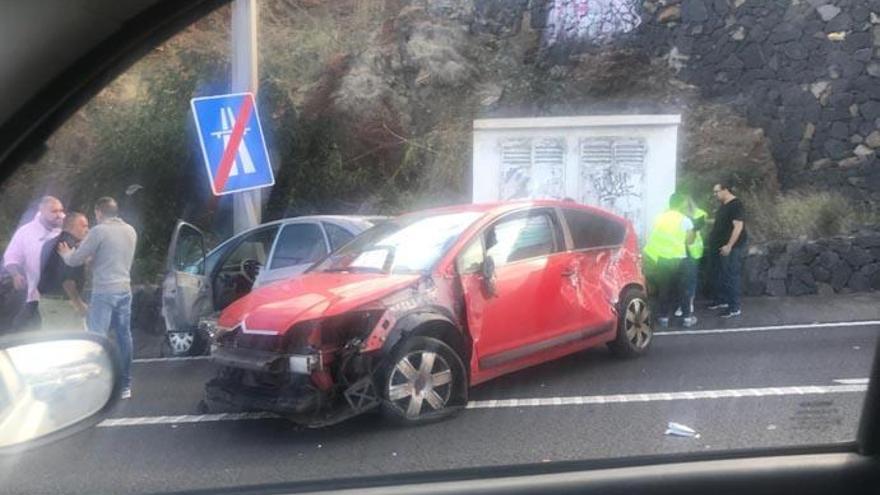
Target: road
x: 756, y: 386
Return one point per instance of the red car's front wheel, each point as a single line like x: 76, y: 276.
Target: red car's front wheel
x: 424, y: 381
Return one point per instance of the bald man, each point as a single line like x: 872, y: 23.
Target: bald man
x: 23, y: 256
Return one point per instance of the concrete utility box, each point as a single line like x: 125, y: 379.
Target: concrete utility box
x: 625, y: 163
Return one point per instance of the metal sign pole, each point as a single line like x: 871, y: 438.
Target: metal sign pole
x: 247, y: 206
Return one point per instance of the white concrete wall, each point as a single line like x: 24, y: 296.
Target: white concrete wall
x: 659, y: 133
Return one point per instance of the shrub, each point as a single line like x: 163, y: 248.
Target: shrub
x: 795, y: 214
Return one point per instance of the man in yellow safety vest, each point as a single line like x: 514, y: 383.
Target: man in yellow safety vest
x: 695, y: 252
x: 667, y: 249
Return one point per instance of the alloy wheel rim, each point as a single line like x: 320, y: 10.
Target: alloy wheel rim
x: 637, y: 323
x: 420, y: 381
x: 180, y: 342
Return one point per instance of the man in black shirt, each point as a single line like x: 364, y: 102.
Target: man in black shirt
x: 727, y: 247
x: 61, y: 285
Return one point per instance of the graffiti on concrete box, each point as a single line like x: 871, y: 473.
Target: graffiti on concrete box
x: 612, y: 172
x: 532, y: 168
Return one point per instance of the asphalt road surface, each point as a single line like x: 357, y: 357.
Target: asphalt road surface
x: 758, y: 385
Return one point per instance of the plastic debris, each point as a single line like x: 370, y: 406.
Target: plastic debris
x: 319, y: 445
x: 394, y: 454
x: 680, y: 430
x: 856, y: 347
x: 771, y: 427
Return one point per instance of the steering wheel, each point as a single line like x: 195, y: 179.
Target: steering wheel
x: 249, y: 269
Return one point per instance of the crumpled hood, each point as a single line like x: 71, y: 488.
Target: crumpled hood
x: 276, y: 307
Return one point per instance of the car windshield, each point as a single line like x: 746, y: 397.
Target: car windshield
x: 406, y: 245
x: 380, y: 238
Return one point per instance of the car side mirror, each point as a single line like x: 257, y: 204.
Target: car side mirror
x: 487, y: 270
x: 53, y: 384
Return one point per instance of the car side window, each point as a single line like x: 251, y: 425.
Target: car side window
x: 299, y: 243
x: 337, y: 235
x: 255, y: 246
x: 519, y: 238
x: 589, y: 230
x: 471, y: 258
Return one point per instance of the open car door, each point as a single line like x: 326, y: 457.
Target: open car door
x: 186, y: 289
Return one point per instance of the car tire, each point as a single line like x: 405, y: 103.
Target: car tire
x: 185, y: 343
x: 416, y: 392
x: 634, y: 326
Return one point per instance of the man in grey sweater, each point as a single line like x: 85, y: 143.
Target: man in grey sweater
x: 110, y: 245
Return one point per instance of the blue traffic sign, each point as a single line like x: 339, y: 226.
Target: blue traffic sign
x: 232, y: 143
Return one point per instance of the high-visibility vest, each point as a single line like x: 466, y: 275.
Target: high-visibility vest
x: 697, y: 248
x: 667, y: 240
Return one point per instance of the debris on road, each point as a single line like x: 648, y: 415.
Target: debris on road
x: 771, y: 427
x: 680, y: 430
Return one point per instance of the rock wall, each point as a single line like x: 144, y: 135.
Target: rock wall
x: 807, y: 72
x: 835, y: 265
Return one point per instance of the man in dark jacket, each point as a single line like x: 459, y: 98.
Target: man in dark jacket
x: 61, y: 286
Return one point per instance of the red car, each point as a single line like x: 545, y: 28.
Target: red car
x: 413, y: 312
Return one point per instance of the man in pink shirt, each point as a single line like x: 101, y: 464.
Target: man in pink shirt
x: 22, y: 258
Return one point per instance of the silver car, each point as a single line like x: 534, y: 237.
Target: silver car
x: 199, y: 284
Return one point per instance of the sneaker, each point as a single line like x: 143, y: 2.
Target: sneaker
x: 731, y: 314
x: 717, y: 306
x: 663, y: 322
x: 678, y: 312
x: 689, y: 321
x: 126, y: 393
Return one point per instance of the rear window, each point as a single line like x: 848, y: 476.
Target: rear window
x: 589, y: 230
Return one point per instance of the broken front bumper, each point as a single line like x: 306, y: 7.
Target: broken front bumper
x: 253, y: 379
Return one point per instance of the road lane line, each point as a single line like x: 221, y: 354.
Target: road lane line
x: 526, y: 402
x: 769, y: 328
x: 184, y: 419
x: 671, y: 396
x: 171, y: 359
x: 852, y: 381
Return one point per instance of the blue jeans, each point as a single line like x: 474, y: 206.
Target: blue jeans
x: 730, y: 277
x: 670, y: 287
x: 691, y: 269
x: 112, y: 312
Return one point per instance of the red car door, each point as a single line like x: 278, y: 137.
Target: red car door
x: 597, y: 241
x: 534, y: 294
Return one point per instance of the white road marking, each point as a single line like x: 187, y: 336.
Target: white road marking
x: 853, y: 381
x: 529, y: 402
x: 670, y: 396
x: 769, y: 328
x: 185, y: 418
x: 171, y: 359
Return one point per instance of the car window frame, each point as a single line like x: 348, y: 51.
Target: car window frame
x: 239, y: 239
x: 346, y: 228
x: 561, y: 239
x: 283, y: 225
x: 573, y: 248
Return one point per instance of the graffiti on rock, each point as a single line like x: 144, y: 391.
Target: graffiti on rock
x: 597, y: 21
